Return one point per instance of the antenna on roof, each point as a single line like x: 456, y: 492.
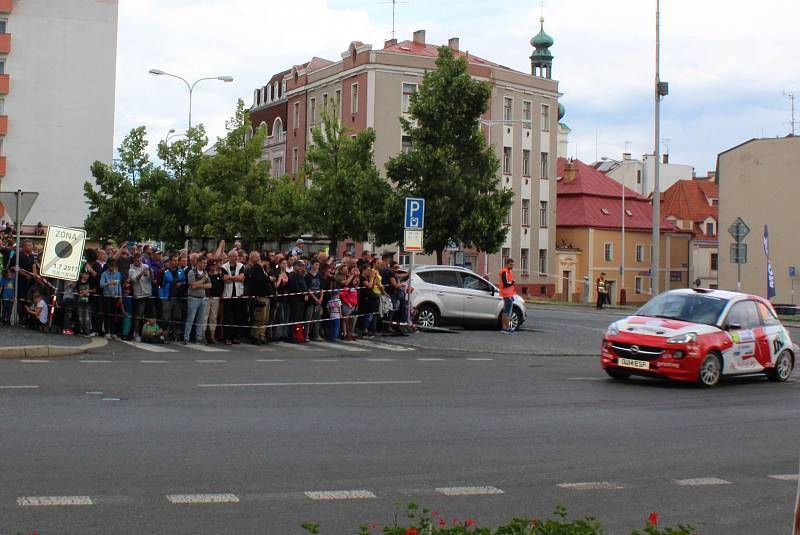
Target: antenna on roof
x: 394, y: 10
x: 791, y: 97
x: 626, y: 144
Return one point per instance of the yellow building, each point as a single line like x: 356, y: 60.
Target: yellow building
x: 590, y: 239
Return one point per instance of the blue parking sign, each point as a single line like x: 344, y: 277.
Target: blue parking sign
x: 415, y: 213
x: 792, y: 271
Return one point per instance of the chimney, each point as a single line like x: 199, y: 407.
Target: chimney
x: 453, y: 44
x: 390, y: 42
x: 626, y: 156
x: 419, y: 37
x: 665, y: 158
x: 570, y: 172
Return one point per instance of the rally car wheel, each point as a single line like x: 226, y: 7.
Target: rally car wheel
x: 617, y: 373
x: 783, y: 368
x: 710, y: 371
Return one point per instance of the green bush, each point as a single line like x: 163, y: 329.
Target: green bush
x: 426, y: 522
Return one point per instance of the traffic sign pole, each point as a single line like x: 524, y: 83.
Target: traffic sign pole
x: 16, y: 259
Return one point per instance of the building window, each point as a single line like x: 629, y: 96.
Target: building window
x: 545, y: 165
x: 338, y: 104
x: 2, y: 106
x: 507, y: 218
x: 526, y: 162
x: 283, y: 87
x: 506, y: 160
x: 354, y: 98
x: 542, y: 261
x: 714, y: 261
x: 408, y: 90
x: 545, y: 118
x: 710, y: 229
x: 640, y: 253
x: 508, y: 108
x: 714, y: 202
x: 527, y: 106
x: 505, y: 252
x: 524, y: 261
x: 638, y: 285
x: 526, y: 209
x: 3, y: 25
x: 325, y: 103
x: 312, y: 111
x: 295, y: 161
x: 2, y: 66
x: 608, y: 252
x: 406, y: 146
x: 277, y: 167
x: 543, y: 214
x: 296, y: 115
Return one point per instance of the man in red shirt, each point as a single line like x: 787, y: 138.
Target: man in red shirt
x: 507, y: 292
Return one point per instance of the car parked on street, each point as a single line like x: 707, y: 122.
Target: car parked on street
x: 455, y: 295
x: 700, y: 335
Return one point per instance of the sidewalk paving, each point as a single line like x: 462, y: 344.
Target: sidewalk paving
x: 17, y: 342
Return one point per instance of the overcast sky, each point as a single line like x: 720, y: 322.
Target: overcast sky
x: 727, y: 61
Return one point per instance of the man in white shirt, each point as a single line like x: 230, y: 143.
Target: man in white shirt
x: 234, y: 305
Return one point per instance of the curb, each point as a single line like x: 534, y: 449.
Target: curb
x: 34, y: 352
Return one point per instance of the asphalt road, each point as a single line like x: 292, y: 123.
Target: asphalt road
x: 128, y: 432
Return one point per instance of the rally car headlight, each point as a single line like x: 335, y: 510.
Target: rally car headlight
x: 685, y: 338
x: 613, y: 330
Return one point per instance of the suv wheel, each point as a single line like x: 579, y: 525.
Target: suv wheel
x: 427, y: 316
x: 515, y: 321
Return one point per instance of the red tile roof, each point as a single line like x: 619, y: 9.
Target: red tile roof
x: 689, y: 200
x: 432, y: 51
x: 594, y: 200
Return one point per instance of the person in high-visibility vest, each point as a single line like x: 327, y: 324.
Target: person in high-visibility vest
x: 507, y: 292
x: 602, y: 291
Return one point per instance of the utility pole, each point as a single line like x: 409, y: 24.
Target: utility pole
x: 660, y: 91
x: 791, y: 97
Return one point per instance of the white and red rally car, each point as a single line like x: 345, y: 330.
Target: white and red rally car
x: 700, y: 335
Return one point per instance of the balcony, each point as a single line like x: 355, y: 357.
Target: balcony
x: 2, y: 166
x: 5, y: 43
x: 6, y: 6
x: 275, y: 140
x: 3, y: 125
x: 4, y: 82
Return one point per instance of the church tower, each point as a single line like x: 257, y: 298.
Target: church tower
x: 542, y: 59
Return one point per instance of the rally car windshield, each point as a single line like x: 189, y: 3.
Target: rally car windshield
x: 694, y: 308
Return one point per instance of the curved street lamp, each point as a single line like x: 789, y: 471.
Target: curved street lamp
x: 159, y: 72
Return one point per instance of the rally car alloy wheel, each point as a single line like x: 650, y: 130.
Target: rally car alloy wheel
x: 710, y: 371
x: 783, y: 368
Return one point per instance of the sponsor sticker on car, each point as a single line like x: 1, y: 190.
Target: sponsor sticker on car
x: 630, y: 363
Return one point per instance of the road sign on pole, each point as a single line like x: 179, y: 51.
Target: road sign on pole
x: 413, y: 241
x: 739, y: 230
x: 415, y: 213
x: 63, y: 252
x: 9, y: 201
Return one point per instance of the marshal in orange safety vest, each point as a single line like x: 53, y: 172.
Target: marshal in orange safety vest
x: 507, y: 281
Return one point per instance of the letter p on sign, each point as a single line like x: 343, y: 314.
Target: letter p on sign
x: 415, y: 213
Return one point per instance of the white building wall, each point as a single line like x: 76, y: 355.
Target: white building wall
x: 60, y: 105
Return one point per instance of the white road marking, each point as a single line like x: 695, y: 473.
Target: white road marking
x: 590, y: 485
x: 270, y: 360
x: 32, y: 501
x: 210, y: 361
x: 587, y: 378
x: 97, y: 361
x: 153, y: 348
x: 202, y: 498
x: 379, y: 360
x: 478, y: 359
x: 786, y: 477
x: 468, y: 491
x: 328, y: 383
x: 95, y: 393
x: 207, y: 349
x: 700, y: 481
x: 34, y: 361
x: 17, y: 387
x: 429, y: 360
x: 377, y: 345
x: 340, y: 495
x: 266, y: 349
x: 111, y: 399
x: 298, y: 347
x: 154, y: 361
x: 326, y: 360
x: 339, y: 345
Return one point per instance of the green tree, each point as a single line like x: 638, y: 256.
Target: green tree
x: 346, y: 193
x: 114, y: 196
x: 277, y: 217
x: 450, y: 164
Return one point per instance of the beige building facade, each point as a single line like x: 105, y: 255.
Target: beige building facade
x: 759, y: 181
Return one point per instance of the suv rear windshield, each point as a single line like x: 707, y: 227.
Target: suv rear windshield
x: 440, y: 277
x: 694, y: 308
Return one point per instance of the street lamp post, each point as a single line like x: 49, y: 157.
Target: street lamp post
x: 159, y: 72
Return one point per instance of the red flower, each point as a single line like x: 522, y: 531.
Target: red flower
x: 654, y: 518
x: 469, y: 523
x: 456, y: 522
x: 412, y: 531
x: 442, y: 523
x: 435, y: 513
x: 374, y: 526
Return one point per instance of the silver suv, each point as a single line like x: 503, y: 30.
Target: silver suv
x: 457, y: 295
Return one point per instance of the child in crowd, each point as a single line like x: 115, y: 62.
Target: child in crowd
x: 39, y: 311
x: 84, y: 306
x: 6, y: 296
x: 152, y: 333
x: 69, y: 305
x: 335, y: 315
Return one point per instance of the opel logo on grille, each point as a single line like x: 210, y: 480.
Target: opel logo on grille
x: 634, y: 350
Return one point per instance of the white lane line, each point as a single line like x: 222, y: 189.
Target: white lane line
x: 266, y: 349
x: 340, y: 494
x: 210, y: 361
x: 429, y: 360
x: 298, y: 347
x: 324, y: 383
x: 154, y: 361
x: 590, y: 485
x: 378, y: 345
x: 152, y: 348
x: 111, y: 399
x: 468, y: 491
x: 33, y: 501
x: 786, y: 477
x: 379, y: 360
x: 270, y: 360
x: 202, y: 498
x: 587, y: 378
x: 34, y: 361
x: 479, y: 359
x: 701, y: 481
x: 96, y: 361
x: 17, y: 387
x: 207, y: 349
x: 95, y: 393
x: 339, y: 345
x: 326, y: 360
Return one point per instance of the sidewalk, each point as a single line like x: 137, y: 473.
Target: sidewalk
x: 17, y: 342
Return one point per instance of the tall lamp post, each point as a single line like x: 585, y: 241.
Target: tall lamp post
x: 159, y: 72
x: 661, y: 90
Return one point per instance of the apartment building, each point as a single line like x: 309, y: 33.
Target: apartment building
x: 57, y: 83
x: 639, y: 175
x: 372, y: 88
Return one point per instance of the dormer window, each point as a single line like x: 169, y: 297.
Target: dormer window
x: 604, y: 210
